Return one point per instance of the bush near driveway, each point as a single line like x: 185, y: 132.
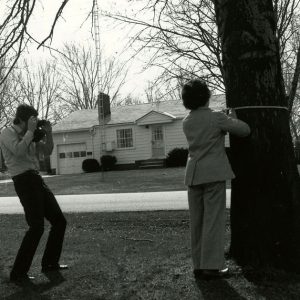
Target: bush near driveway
x: 141, y: 255
x: 90, y: 165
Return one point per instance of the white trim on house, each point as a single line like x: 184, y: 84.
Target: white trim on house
x: 75, y: 130
x: 152, y: 126
x: 165, y: 142
x: 133, y: 139
x: 154, y: 117
x: 118, y: 124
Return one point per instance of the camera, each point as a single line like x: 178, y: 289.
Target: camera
x: 226, y: 111
x: 39, y: 133
x: 41, y: 123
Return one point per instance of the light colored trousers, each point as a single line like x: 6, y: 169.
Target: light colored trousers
x: 207, y: 204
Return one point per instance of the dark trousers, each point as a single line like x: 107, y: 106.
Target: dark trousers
x: 38, y: 203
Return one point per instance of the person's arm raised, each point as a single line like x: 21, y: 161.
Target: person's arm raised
x: 230, y: 123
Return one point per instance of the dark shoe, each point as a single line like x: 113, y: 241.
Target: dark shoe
x: 20, y: 279
x: 198, y: 273
x: 212, y: 274
x: 51, y: 268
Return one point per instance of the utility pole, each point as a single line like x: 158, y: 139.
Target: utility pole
x: 99, y: 92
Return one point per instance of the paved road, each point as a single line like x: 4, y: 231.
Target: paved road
x: 176, y: 200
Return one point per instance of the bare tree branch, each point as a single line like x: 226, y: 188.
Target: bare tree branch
x: 81, y: 82
x: 14, y: 34
x: 182, y: 37
x: 39, y: 87
x: 58, y: 14
x: 295, y: 80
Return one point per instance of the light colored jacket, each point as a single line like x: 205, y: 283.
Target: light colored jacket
x: 205, y: 131
x: 18, y: 150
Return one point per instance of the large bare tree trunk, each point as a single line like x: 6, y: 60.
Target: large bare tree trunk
x: 265, y: 193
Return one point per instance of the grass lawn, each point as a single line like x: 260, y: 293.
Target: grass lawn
x: 144, y: 255
x: 151, y: 180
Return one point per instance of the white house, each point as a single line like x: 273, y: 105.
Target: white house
x: 130, y: 133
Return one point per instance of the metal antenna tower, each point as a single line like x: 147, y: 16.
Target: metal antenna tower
x: 99, y: 92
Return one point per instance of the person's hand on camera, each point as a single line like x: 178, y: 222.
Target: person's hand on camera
x: 232, y: 113
x: 31, y: 124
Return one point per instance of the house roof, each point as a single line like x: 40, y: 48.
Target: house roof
x: 87, y: 118
x: 147, y: 118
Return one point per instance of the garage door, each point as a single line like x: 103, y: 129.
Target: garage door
x: 70, y: 158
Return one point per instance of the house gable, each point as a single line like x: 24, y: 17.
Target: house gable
x: 155, y: 117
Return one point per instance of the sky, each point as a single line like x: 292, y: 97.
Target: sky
x: 72, y: 28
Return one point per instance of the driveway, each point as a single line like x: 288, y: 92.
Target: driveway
x: 176, y: 200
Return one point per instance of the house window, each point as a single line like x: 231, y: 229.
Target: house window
x: 83, y: 153
x: 69, y: 154
x: 62, y: 155
x: 157, y: 134
x: 124, y: 138
x: 76, y: 154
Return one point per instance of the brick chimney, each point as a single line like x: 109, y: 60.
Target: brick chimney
x: 106, y: 106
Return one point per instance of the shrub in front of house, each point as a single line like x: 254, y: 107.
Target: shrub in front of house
x: 108, y: 162
x: 177, y: 157
x: 90, y: 165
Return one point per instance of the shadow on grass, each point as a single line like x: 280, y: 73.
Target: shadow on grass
x: 218, y: 289
x: 274, y: 284
x: 34, y: 291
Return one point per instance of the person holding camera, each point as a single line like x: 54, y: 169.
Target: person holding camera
x: 20, y: 144
x: 206, y: 173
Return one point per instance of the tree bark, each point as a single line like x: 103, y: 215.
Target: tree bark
x: 294, y: 82
x: 265, y: 196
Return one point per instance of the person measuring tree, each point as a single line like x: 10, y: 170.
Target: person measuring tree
x: 265, y: 203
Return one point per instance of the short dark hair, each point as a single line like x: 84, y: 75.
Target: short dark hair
x: 195, y: 93
x: 24, y: 112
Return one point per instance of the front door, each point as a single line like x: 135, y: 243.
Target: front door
x: 158, y: 145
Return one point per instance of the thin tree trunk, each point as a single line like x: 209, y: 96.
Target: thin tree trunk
x: 265, y: 197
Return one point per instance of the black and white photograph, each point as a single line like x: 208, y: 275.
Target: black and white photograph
x: 150, y: 149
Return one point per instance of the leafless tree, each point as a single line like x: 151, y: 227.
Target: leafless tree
x: 129, y: 100
x: 81, y: 84
x: 14, y: 33
x: 181, y: 36
x: 183, y: 39
x: 8, y: 94
x: 14, y: 37
x: 163, y: 89
x: 288, y: 33
x: 41, y: 88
